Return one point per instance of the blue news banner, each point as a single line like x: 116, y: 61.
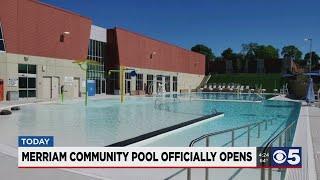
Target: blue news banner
x: 274, y: 157
x: 35, y: 141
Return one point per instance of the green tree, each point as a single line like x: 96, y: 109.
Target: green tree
x: 314, y: 58
x: 266, y: 52
x: 249, y: 50
x: 228, y: 54
x: 253, y: 51
x: 291, y: 52
x: 202, y: 49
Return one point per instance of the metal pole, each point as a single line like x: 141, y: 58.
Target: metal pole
x: 207, y: 170
x: 266, y: 126
x: 259, y: 130
x: 232, y: 138
x: 86, y: 97
x: 270, y: 170
x: 262, y: 175
x: 189, y: 174
x: 248, y: 136
x: 310, y: 63
x: 121, y: 84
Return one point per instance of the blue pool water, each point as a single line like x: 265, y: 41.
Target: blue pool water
x: 236, y: 114
x: 224, y: 96
x: 106, y: 121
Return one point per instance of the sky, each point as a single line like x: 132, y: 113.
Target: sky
x: 218, y: 24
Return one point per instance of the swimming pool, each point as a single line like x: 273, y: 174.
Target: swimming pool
x: 106, y: 121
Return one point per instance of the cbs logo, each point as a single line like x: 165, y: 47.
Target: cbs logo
x: 291, y: 158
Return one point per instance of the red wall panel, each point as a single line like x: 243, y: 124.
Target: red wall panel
x: 134, y: 50
x: 34, y: 28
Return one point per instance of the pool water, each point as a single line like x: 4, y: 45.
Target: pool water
x: 236, y: 114
x: 106, y: 121
x: 226, y: 96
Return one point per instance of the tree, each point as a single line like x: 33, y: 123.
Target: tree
x: 314, y: 58
x: 249, y: 50
x: 291, y: 52
x: 228, y: 54
x: 253, y: 51
x: 266, y: 52
x: 202, y: 49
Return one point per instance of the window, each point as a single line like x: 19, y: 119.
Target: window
x: 175, y: 83
x: 150, y: 83
x: 159, y: 83
x: 23, y: 68
x: 127, y: 83
x: 167, y: 83
x: 139, y: 82
x: 96, y: 71
x: 2, y: 46
x: 27, y: 80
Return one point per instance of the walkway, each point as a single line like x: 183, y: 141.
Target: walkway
x: 314, y: 117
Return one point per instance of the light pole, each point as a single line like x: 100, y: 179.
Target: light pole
x: 310, y: 54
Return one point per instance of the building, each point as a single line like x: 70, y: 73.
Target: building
x: 39, y: 44
x: 156, y: 63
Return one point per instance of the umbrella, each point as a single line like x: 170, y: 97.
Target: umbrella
x: 310, y: 98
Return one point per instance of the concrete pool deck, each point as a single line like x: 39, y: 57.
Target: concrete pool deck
x: 8, y: 159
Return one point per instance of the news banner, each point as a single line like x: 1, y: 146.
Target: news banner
x: 40, y: 152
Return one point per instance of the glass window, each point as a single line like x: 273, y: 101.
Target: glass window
x: 2, y: 47
x: 175, y: 83
x: 31, y: 82
x: 1, y: 37
x: 32, y: 69
x: 27, y: 80
x: 22, y: 68
x: 23, y: 93
x: 167, y: 83
x: 150, y: 83
x: 139, y: 82
x: 23, y: 82
x: 32, y: 93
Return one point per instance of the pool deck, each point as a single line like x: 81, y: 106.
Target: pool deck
x: 307, y: 136
x: 8, y: 157
x: 314, y: 118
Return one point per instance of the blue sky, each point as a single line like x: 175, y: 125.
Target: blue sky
x: 218, y: 24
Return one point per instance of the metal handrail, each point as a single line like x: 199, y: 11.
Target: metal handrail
x: 232, y: 130
x: 287, y: 132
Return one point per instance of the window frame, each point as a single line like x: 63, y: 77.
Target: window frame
x: 174, y: 83
x: 139, y: 82
x: 2, y: 40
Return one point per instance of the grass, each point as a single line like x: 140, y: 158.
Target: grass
x: 268, y: 81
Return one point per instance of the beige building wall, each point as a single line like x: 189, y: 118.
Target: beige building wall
x: 46, y: 67
x: 186, y: 81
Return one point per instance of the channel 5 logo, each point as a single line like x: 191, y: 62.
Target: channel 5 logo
x: 288, y: 157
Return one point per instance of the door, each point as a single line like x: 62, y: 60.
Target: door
x: 46, y: 88
x: 1, y: 90
x: 55, y: 88
x: 76, y: 88
x: 103, y: 86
